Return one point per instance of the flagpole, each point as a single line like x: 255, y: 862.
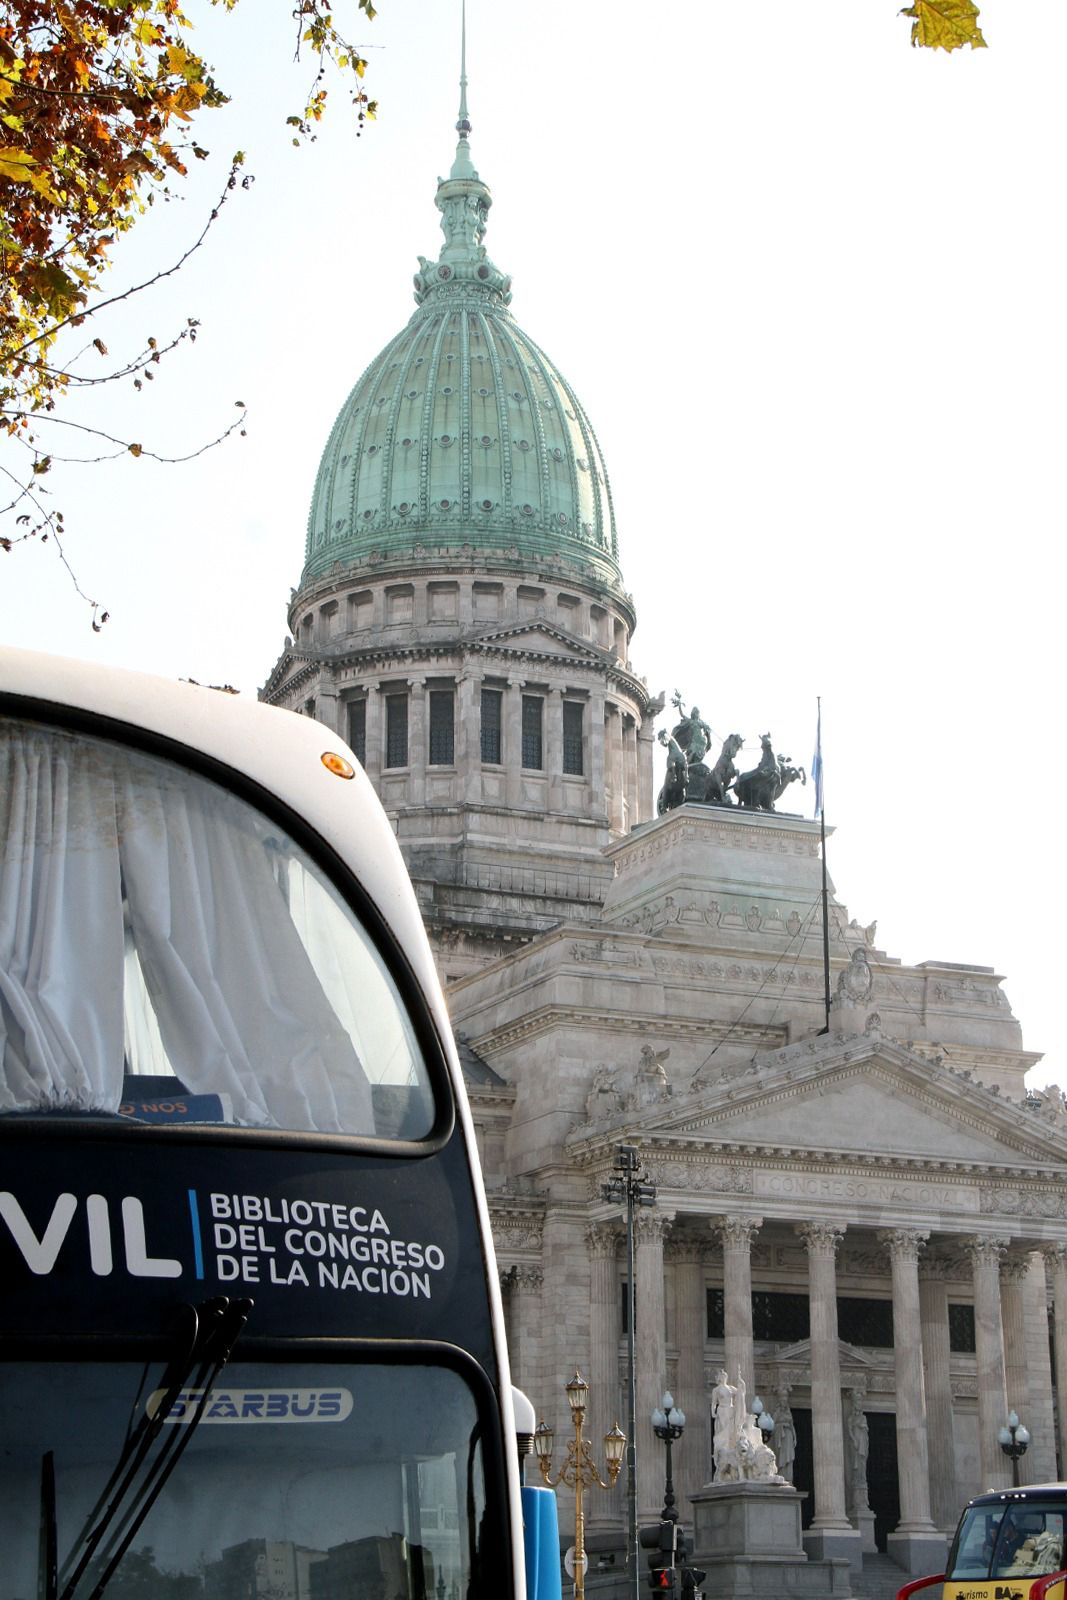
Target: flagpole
x: 825, y: 892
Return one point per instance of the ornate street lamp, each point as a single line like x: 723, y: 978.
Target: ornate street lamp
x: 579, y: 1471
x: 1014, y: 1440
x: 764, y: 1420
x: 668, y: 1424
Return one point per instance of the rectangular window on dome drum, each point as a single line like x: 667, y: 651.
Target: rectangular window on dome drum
x: 533, y: 744
x: 492, y: 706
x: 573, y: 717
x: 442, y: 728
x: 357, y: 729
x: 396, y: 730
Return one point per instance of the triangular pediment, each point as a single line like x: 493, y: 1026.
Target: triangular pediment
x: 856, y: 1095
x: 800, y: 1354
x: 539, y: 637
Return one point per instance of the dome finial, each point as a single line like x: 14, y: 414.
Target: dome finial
x: 463, y: 167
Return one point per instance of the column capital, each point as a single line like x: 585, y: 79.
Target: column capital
x: 735, y: 1233
x: 528, y: 1278
x: 686, y: 1250
x: 652, y: 1227
x: 1055, y: 1255
x: 985, y: 1249
x: 602, y: 1239
x: 903, y: 1244
x: 1015, y: 1266
x: 516, y: 683
x: 933, y: 1268
x: 821, y: 1238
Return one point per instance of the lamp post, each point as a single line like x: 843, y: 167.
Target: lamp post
x: 764, y: 1420
x: 668, y: 1424
x: 579, y: 1471
x: 1014, y: 1441
x: 632, y: 1188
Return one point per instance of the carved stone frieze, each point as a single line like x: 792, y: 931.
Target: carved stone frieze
x: 704, y: 1178
x: 1016, y: 1202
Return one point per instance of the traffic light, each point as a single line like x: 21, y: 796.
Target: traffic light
x: 692, y: 1580
x: 663, y: 1581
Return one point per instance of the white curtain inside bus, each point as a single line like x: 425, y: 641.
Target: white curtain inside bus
x: 248, y: 972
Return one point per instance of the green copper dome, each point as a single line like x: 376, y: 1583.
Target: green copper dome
x: 462, y: 434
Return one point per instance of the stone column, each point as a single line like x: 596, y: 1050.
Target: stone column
x: 524, y: 1285
x: 629, y: 771
x: 598, y: 734
x: 554, y: 747
x: 606, y: 1402
x: 468, y: 736
x: 1014, y: 1270
x: 985, y: 1253
x: 1041, y: 1456
x: 735, y: 1234
x: 650, y: 1356
x: 375, y: 734
x: 1056, y: 1266
x: 831, y: 1533
x: 692, y: 1453
x: 937, y: 1357
x: 646, y: 744
x: 915, y: 1544
x: 614, y: 767
x: 417, y: 737
x: 511, y: 739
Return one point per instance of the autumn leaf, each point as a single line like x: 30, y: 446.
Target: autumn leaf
x: 15, y: 163
x: 945, y: 24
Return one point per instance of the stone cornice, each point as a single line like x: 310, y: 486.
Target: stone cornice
x: 446, y: 561
x: 537, y: 1023
x: 662, y: 1150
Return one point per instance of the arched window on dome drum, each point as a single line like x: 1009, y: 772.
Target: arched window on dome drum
x: 357, y: 729
x: 573, y: 741
x: 396, y: 730
x: 492, y: 712
x: 533, y: 744
x: 442, y: 728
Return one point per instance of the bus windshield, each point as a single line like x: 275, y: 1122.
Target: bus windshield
x: 308, y: 1481
x: 1009, y: 1540
x: 169, y: 955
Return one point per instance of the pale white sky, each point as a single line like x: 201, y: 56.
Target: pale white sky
x: 808, y: 283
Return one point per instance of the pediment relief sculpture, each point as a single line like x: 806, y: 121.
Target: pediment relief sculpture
x: 617, y: 1090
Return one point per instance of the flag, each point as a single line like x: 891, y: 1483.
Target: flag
x: 816, y: 764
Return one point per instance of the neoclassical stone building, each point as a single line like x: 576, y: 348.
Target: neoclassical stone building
x: 868, y: 1222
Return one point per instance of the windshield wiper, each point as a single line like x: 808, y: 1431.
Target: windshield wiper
x: 137, y: 1478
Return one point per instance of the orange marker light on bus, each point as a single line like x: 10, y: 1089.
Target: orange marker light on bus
x: 337, y: 765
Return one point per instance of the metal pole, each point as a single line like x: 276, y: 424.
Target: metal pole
x: 631, y: 1397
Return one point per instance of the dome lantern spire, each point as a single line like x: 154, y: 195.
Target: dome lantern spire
x: 462, y: 167
x: 463, y: 267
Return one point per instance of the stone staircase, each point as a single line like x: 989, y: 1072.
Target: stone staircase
x: 880, y: 1579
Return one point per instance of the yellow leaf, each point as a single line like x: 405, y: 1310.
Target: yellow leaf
x: 134, y: 449
x: 15, y: 163
x: 146, y: 32
x: 40, y: 183
x: 945, y: 24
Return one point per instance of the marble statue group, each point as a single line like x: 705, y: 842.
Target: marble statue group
x: 739, y: 1452
x: 689, y: 778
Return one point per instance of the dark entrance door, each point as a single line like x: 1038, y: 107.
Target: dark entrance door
x: 883, y: 1487
x: 803, y: 1469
